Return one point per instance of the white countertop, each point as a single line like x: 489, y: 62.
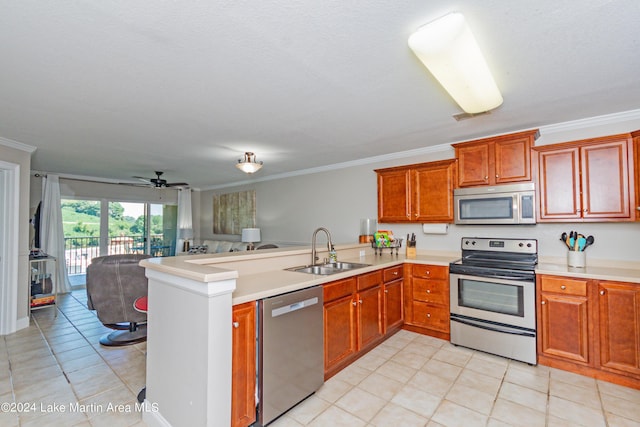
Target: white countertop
x: 261, y: 274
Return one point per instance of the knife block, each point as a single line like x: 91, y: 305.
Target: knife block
x: 411, y: 252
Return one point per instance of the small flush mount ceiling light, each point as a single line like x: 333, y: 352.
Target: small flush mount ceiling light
x: 448, y: 49
x: 248, y: 163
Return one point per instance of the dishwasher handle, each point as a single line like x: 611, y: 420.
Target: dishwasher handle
x: 294, y: 307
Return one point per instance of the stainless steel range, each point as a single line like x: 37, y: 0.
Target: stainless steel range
x: 493, y: 297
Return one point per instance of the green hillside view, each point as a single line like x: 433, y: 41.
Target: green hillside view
x: 82, y: 219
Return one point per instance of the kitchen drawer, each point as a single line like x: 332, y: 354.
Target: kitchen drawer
x: 433, y: 291
x: 563, y: 285
x: 368, y: 280
x: 430, y: 271
x: 393, y: 273
x: 431, y: 316
x: 339, y: 289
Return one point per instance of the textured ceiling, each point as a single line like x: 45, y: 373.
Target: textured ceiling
x: 122, y: 88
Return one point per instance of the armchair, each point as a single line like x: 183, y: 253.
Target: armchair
x: 114, y: 282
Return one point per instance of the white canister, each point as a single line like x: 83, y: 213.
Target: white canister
x: 577, y: 259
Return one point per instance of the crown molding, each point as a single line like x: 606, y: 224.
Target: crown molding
x: 579, y: 124
x: 17, y: 145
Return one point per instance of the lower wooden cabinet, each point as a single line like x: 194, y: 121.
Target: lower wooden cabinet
x: 243, y: 365
x: 393, y: 301
x: 427, y: 299
x: 591, y: 327
x: 619, y: 310
x: 563, y: 320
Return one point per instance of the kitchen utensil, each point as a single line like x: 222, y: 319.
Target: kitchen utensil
x: 581, y: 242
x: 572, y: 239
x: 589, y: 242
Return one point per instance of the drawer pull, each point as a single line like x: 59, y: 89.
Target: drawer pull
x: 563, y: 287
x: 236, y: 324
x: 428, y: 291
x: 360, y: 301
x: 429, y: 315
x: 386, y: 291
x: 395, y: 273
x: 601, y: 292
x: 543, y: 302
x: 354, y: 303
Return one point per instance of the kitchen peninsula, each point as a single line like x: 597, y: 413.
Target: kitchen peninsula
x: 192, y: 297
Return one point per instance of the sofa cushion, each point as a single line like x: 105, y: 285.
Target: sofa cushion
x: 218, y: 246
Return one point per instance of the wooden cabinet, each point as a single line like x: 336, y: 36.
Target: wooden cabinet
x: 393, y: 303
x: 587, y: 180
x: 427, y: 299
x: 495, y: 160
x: 369, y: 309
x: 417, y: 193
x: 591, y: 327
x: 563, y: 320
x: 340, y: 339
x: 243, y: 365
x: 636, y: 168
x: 619, y: 311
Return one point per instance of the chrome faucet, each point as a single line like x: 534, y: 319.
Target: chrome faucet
x: 314, y: 258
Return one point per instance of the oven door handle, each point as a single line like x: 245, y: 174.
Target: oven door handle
x: 491, y: 327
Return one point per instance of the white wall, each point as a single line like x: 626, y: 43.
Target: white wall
x: 289, y: 209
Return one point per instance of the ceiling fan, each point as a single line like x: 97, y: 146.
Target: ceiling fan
x: 158, y: 182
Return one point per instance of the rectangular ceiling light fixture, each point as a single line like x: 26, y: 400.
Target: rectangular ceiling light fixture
x: 448, y: 49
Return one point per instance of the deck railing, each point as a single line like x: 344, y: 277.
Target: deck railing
x: 79, y: 251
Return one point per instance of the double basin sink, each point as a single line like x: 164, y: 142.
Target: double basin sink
x: 328, y: 268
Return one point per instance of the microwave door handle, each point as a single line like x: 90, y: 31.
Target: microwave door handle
x: 491, y: 327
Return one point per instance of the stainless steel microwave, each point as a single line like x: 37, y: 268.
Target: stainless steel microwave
x: 497, y: 204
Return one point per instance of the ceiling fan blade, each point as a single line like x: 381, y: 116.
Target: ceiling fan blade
x: 176, y: 184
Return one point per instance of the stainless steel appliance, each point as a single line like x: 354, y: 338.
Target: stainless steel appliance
x: 493, y: 297
x: 498, y: 204
x: 291, y: 351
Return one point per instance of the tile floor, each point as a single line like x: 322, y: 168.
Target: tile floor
x: 409, y: 380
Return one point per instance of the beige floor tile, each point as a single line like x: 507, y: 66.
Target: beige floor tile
x: 400, y: 339
x: 9, y: 419
x: 396, y: 371
x: 380, y: 385
x: 614, y: 420
x: 81, y: 363
x: 528, y: 377
x: 453, y: 356
x: 394, y: 415
x: 385, y: 350
x: 487, y: 366
x: 432, y: 384
x: 117, y: 416
x: 112, y: 400
x: 442, y: 369
x: 585, y: 396
x: 417, y: 400
x: 579, y: 414
x: 370, y: 361
x: 571, y: 378
x: 353, y: 374
x: 431, y: 341
x: 524, y: 396
x: 410, y: 358
x: 479, y: 381
x: 559, y: 422
x: 333, y: 390
x: 422, y: 347
x: 360, y: 403
x: 308, y: 410
x: 619, y: 391
x: 492, y: 422
x: 624, y: 408
x: 337, y: 417
x: 517, y: 415
x: 453, y: 415
x: 471, y: 398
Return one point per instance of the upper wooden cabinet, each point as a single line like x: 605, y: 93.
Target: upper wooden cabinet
x: 417, y: 193
x: 587, y: 180
x: 495, y: 160
x: 636, y: 167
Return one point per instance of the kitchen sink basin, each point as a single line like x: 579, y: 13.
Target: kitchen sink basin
x: 326, y: 269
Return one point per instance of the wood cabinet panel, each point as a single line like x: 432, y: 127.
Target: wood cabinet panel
x: 393, y: 305
x: 495, y: 160
x: 369, y: 280
x: 427, y: 299
x: 340, y: 340
x: 587, y: 180
x: 619, y: 310
x: 424, y: 271
x: 565, y: 327
x: 636, y: 172
x: 431, y: 291
x: 392, y: 273
x: 370, y: 322
x: 243, y: 365
x: 417, y: 193
x: 430, y: 316
x: 338, y: 289
x: 562, y: 285
x: 394, y: 195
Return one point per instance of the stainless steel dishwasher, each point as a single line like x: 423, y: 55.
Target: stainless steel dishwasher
x: 291, y: 351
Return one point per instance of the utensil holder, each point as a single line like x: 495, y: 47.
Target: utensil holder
x: 577, y: 259
x: 411, y: 252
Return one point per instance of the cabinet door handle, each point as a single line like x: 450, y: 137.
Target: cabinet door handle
x: 486, y: 178
x: 360, y: 301
x: 585, y: 210
x: 386, y: 291
x: 236, y: 324
x: 563, y: 287
x: 428, y: 291
x: 577, y: 210
x: 429, y: 315
x: 497, y: 176
x: 601, y: 292
x: 354, y: 303
x: 543, y: 302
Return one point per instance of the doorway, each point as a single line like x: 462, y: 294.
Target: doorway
x: 9, y: 244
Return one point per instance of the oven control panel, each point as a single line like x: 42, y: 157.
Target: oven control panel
x: 526, y: 246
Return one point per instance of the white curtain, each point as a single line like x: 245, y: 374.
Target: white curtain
x: 185, y: 219
x: 51, y: 233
